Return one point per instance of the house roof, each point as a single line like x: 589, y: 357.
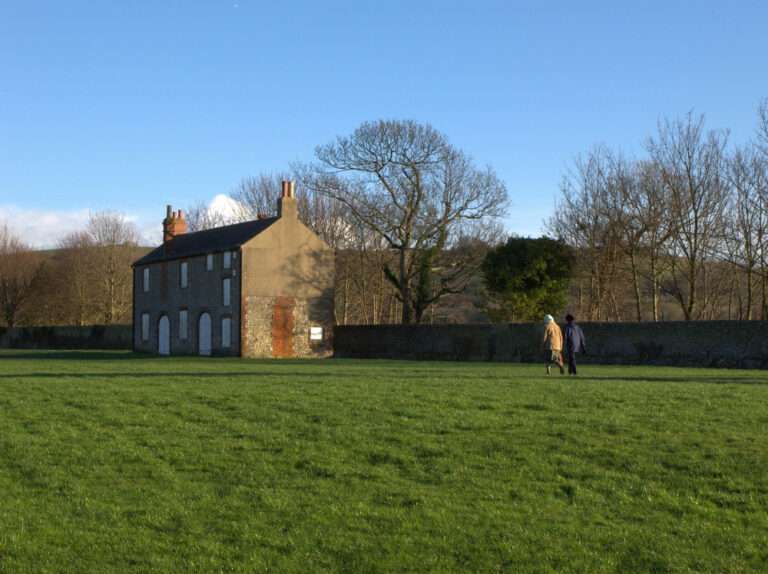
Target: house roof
x: 206, y: 241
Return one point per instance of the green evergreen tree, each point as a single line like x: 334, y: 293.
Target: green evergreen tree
x: 526, y: 278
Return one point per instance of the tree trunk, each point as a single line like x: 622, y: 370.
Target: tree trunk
x: 688, y: 309
x: 405, y: 291
x: 655, y: 287
x: 636, y: 284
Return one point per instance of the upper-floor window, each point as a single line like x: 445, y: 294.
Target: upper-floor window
x: 145, y: 326
x: 146, y: 279
x: 226, y: 291
x: 183, y: 274
x: 227, y: 260
x: 209, y: 262
x: 226, y: 332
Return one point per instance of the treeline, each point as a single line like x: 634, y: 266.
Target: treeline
x: 86, y: 280
x: 681, y: 233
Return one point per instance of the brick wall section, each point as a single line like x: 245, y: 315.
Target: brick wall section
x: 93, y: 337
x: 703, y: 343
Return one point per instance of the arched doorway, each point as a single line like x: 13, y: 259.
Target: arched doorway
x: 164, y: 336
x: 204, y: 334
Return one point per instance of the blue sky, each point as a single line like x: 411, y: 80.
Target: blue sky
x: 132, y: 105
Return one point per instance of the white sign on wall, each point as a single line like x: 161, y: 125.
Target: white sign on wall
x: 315, y: 333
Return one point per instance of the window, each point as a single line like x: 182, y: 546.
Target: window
x: 226, y: 291
x: 145, y: 325
x: 146, y: 279
x: 184, y: 274
x: 209, y: 262
x: 183, y: 324
x: 227, y: 260
x: 226, y: 332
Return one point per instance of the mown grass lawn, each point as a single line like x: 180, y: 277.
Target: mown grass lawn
x: 113, y: 463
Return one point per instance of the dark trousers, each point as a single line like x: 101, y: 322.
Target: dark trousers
x: 571, y: 362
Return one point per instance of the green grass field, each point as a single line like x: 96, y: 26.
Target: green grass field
x: 112, y: 463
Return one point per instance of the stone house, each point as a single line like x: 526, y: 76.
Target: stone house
x: 261, y: 288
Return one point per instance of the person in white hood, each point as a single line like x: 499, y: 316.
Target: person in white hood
x: 552, y: 344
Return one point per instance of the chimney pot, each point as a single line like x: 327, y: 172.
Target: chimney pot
x: 286, y: 205
x: 173, y: 224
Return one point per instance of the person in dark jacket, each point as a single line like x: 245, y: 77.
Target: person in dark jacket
x: 574, y: 342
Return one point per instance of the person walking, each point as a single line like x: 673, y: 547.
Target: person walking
x: 574, y: 342
x: 552, y: 344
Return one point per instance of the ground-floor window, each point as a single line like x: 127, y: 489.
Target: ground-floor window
x: 226, y: 332
x: 183, y: 329
x: 145, y: 326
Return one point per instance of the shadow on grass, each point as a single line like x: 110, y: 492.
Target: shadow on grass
x: 379, y: 377
x: 106, y: 355
x: 93, y: 355
x: 717, y: 380
x: 177, y: 375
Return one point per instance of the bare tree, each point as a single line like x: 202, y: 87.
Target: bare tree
x: 114, y: 239
x: 18, y: 268
x: 747, y: 234
x: 586, y: 218
x: 651, y: 206
x: 77, y: 276
x: 406, y: 183
x: 691, y: 163
x: 762, y: 127
x: 257, y: 197
x: 626, y: 207
x: 200, y: 217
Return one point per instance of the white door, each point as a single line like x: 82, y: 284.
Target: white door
x: 204, y: 335
x: 164, y: 336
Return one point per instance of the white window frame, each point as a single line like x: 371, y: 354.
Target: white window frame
x: 183, y: 324
x: 226, y: 291
x: 226, y: 332
x: 145, y: 279
x: 227, y: 260
x: 209, y: 262
x: 145, y: 326
x: 184, y: 274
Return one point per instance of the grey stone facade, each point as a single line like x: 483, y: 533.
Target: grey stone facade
x: 203, y: 294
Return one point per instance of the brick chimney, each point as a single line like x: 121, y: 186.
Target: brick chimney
x: 174, y: 224
x: 286, y: 205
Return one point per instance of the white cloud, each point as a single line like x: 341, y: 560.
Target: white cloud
x: 225, y: 207
x: 39, y: 228
x: 43, y: 229
x: 151, y: 232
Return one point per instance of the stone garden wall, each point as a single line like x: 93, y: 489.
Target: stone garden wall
x: 91, y: 337
x: 701, y: 343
